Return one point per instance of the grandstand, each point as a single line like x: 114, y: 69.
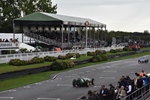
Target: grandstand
x: 53, y: 30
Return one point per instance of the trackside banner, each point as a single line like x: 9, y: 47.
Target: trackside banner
x: 9, y: 44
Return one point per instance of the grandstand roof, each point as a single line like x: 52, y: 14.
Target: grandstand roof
x: 42, y: 18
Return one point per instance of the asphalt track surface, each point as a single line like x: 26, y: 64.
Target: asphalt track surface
x: 60, y: 88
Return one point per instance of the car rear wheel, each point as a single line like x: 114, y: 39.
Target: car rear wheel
x: 74, y: 83
x: 93, y: 81
x: 87, y: 83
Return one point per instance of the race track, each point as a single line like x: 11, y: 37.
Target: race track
x: 61, y: 87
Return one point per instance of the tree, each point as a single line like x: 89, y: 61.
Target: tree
x: 11, y: 9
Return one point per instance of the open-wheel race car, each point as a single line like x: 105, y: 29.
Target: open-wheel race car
x: 82, y: 82
x: 142, y: 60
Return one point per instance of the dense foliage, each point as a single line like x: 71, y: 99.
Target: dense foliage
x: 18, y: 62
x: 11, y: 9
x: 62, y: 65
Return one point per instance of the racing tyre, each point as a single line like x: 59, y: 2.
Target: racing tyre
x: 87, y: 83
x: 74, y: 83
x: 93, y: 81
x: 139, y: 61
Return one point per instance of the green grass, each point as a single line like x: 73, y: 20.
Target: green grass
x: 22, y: 81
x: 9, y: 68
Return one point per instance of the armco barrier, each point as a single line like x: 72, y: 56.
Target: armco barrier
x: 15, y: 74
x: 82, y: 61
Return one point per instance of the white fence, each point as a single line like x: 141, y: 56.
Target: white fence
x: 28, y: 56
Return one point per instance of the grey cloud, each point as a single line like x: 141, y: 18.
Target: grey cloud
x: 102, y: 2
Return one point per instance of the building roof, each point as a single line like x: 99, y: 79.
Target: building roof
x: 42, y: 18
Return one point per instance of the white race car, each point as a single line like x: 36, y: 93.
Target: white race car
x: 143, y: 60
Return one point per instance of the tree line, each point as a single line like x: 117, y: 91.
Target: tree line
x: 12, y: 9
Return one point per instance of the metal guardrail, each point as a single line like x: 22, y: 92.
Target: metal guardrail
x: 28, y: 56
x: 140, y: 94
x: 41, y: 38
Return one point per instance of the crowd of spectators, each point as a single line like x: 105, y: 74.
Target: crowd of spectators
x: 125, y: 87
x: 9, y: 40
x: 55, y: 35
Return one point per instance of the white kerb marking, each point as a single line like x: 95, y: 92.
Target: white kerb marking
x: 110, y: 71
x: 38, y: 83
x: 96, y: 86
x: 26, y: 87
x: 12, y: 90
x: 87, y: 71
x: 81, y: 72
x: 6, y: 97
x: 93, y: 69
x: 74, y: 74
x: 71, y: 76
x: 64, y: 85
x: 108, y: 77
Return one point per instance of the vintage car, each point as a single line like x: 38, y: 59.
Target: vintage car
x: 82, y: 82
x: 143, y: 60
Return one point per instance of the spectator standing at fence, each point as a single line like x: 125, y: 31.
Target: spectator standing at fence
x: 136, y: 78
x: 129, y: 90
x: 142, y: 73
x: 146, y: 82
x: 123, y: 82
x: 128, y: 79
x: 95, y: 93
x: 82, y: 98
x: 92, y: 96
x: 139, y: 83
x: 111, y: 92
x: 104, y: 93
x: 121, y: 93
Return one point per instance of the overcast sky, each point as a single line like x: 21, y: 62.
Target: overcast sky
x: 118, y: 15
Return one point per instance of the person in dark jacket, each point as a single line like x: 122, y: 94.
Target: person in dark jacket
x: 111, y: 92
x: 104, y: 93
x: 91, y: 96
x: 82, y: 98
x: 97, y: 95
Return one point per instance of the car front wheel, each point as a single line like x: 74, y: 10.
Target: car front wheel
x: 74, y: 83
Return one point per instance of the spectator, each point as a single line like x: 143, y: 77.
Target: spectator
x: 104, y: 93
x: 142, y: 73
x: 91, y: 96
x: 82, y: 98
x: 139, y: 83
x: 95, y: 93
x: 135, y: 80
x: 111, y: 92
x: 129, y: 90
x: 121, y: 93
